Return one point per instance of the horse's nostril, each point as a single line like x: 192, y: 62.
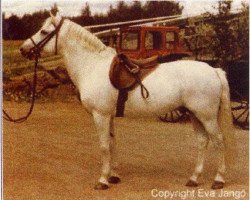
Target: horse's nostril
x: 21, y: 49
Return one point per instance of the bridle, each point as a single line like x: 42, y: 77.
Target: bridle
x: 36, y: 52
x: 39, y: 46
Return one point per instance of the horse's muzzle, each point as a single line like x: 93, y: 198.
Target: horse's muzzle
x: 31, y: 54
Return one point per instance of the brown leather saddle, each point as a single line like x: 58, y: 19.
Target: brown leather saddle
x: 125, y: 74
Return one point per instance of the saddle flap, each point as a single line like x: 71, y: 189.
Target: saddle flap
x: 119, y: 75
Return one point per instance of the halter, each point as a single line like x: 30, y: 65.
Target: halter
x: 38, y: 46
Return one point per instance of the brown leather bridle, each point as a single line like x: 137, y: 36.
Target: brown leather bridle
x: 36, y: 50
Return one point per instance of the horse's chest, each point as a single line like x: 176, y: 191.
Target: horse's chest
x: 97, y: 96
x: 88, y: 98
x: 87, y: 103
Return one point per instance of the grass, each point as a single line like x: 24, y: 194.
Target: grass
x: 14, y: 64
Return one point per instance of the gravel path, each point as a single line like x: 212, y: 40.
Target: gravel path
x: 55, y: 155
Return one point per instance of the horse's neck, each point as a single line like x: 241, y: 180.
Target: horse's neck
x: 80, y: 60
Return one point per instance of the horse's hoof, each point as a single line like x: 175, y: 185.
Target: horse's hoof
x: 217, y: 185
x: 101, y: 186
x: 114, y: 179
x: 191, y: 183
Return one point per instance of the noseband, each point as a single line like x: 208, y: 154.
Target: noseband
x: 38, y: 46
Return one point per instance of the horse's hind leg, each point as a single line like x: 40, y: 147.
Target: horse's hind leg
x: 203, y: 139
x: 216, y: 136
x: 114, y: 178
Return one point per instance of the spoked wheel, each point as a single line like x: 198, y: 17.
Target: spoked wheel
x: 176, y: 115
x: 240, y: 111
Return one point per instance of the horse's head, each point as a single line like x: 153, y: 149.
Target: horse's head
x: 45, y: 39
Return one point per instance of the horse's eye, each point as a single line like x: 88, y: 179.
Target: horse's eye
x: 44, y: 32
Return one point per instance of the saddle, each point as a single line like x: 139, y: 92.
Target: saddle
x: 125, y: 74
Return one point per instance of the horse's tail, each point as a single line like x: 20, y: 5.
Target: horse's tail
x: 225, y: 119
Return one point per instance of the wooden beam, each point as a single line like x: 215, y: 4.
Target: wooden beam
x: 131, y: 22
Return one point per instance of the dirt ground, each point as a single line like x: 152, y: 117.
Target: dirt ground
x: 55, y: 155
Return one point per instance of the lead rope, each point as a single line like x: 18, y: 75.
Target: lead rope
x: 7, y: 117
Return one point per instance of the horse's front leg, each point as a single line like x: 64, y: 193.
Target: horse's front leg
x: 102, y: 123
x: 114, y: 178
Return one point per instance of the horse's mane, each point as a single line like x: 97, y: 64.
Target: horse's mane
x: 86, y: 38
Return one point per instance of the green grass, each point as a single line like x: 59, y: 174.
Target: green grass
x: 14, y: 64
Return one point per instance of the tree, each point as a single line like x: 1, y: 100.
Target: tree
x: 86, y: 11
x: 226, y: 46
x: 136, y: 10
x: 22, y: 28
x: 5, y: 26
x: 162, y: 8
x: 122, y: 11
x: 111, y: 14
x: 86, y: 17
x: 12, y: 27
x: 16, y: 28
x: 243, y: 31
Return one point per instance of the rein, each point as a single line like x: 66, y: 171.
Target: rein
x: 36, y: 50
x: 7, y: 117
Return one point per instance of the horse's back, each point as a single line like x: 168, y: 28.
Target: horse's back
x: 186, y: 75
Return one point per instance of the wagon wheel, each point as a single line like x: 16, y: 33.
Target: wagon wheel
x: 240, y: 111
x: 176, y: 115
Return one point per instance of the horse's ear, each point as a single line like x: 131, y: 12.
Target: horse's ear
x: 51, y: 14
x: 54, y: 10
x: 56, y: 18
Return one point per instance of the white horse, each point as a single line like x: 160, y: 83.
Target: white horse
x: 200, y: 88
